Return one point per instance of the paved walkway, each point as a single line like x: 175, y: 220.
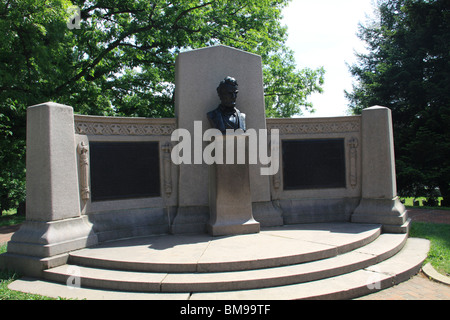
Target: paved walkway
x: 432, y: 216
x: 417, y: 288
x: 7, y: 232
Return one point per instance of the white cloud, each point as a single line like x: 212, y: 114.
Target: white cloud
x: 323, y: 33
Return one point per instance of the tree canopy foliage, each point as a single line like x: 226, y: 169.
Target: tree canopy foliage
x: 407, y: 69
x: 121, y: 61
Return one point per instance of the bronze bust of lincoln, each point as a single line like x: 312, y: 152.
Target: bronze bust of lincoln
x: 226, y: 116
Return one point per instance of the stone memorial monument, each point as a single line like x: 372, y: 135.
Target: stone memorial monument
x: 96, y: 179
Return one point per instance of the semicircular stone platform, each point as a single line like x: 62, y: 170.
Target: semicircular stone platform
x: 316, y: 261
x: 202, y: 253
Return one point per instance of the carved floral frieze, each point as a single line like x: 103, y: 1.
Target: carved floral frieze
x: 89, y: 125
x: 315, y: 125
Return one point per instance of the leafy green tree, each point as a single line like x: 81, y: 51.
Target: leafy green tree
x: 34, y: 54
x: 408, y: 70
x: 128, y: 49
x: 120, y: 61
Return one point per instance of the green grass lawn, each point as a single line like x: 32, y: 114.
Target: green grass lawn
x: 6, y: 277
x: 10, y: 218
x: 439, y: 235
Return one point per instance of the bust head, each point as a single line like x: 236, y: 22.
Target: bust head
x: 228, y: 90
x: 227, y: 116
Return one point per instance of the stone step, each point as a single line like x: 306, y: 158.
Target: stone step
x: 273, y: 247
x: 383, y: 275
x: 384, y: 247
x: 351, y: 285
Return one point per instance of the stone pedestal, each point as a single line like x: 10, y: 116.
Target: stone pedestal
x: 54, y: 225
x: 230, y: 197
x: 379, y: 203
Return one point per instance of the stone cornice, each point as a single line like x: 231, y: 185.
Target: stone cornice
x: 118, y: 126
x: 315, y: 125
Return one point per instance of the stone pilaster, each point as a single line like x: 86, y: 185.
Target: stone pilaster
x: 379, y: 203
x: 54, y: 225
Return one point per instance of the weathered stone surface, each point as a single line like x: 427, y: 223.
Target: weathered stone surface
x: 379, y: 203
x: 54, y: 223
x: 229, y: 191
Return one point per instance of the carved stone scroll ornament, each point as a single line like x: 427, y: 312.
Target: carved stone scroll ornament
x: 276, y: 181
x: 276, y: 178
x: 353, y: 146
x: 83, y: 152
x: 167, y: 163
x: 114, y: 126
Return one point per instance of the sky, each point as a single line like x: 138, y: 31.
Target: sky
x: 323, y: 33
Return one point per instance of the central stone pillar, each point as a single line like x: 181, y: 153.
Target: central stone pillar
x: 230, y: 197
x: 197, y: 74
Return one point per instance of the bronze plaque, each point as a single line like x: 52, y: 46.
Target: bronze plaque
x: 124, y: 170
x: 314, y: 164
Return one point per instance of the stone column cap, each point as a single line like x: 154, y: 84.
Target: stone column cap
x: 376, y: 108
x: 50, y: 104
